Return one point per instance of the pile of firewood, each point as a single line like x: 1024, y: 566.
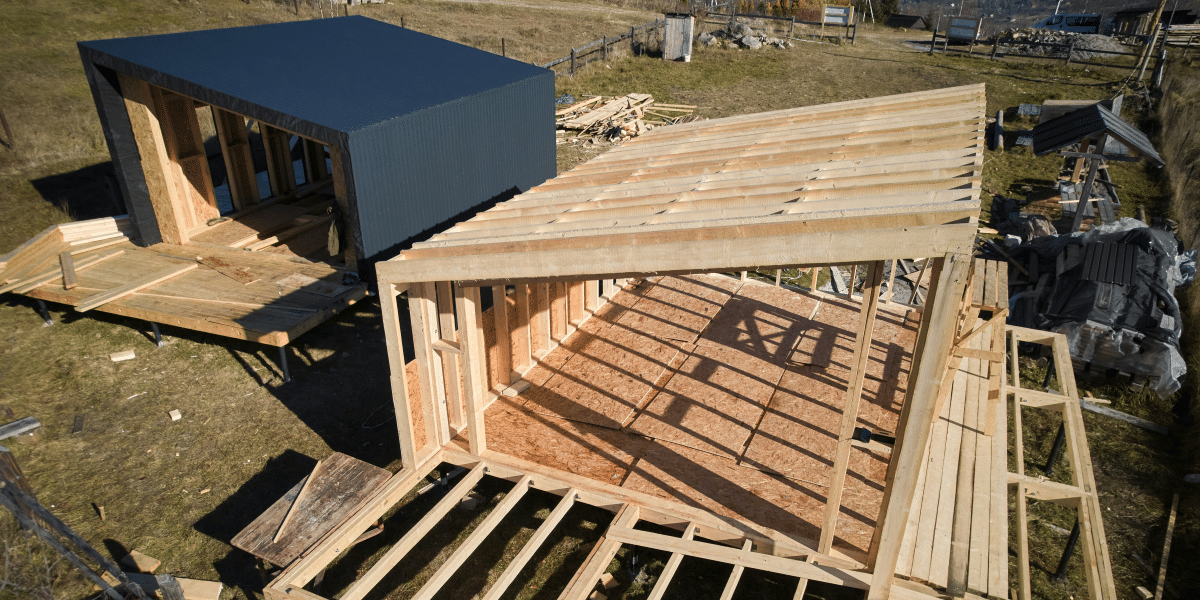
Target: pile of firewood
x: 616, y: 119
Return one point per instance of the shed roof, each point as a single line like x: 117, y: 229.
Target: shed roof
x: 1088, y: 123
x: 304, y: 72
x: 906, y: 21
x: 873, y: 179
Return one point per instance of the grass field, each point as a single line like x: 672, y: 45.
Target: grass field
x: 180, y: 490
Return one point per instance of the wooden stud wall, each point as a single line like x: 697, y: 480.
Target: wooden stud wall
x: 239, y: 163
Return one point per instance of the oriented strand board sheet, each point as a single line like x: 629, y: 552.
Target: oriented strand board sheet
x: 264, y: 220
x: 598, y: 453
x: 861, y: 499
x: 762, y: 320
x: 679, y: 308
x: 713, y: 402
x: 829, y: 343
x: 797, y: 437
x: 605, y: 381
x: 720, y: 486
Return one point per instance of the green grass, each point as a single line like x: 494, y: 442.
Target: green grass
x: 246, y: 437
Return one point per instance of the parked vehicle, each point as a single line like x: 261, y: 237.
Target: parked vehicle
x: 1077, y: 23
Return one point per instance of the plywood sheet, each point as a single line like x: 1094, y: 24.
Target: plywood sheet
x: 679, y: 308
x: 265, y: 220
x: 598, y: 453
x: 606, y: 379
x: 797, y: 437
x: 861, y: 498
x: 720, y: 486
x: 829, y: 343
x: 762, y: 320
x: 713, y: 402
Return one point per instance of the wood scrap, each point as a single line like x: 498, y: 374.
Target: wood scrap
x: 619, y: 118
x: 239, y: 274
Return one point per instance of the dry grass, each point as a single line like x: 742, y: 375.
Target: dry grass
x: 246, y: 437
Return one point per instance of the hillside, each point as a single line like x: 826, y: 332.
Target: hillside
x: 1005, y: 14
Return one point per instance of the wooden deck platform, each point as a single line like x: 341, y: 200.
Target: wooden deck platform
x: 269, y: 296
x: 721, y: 394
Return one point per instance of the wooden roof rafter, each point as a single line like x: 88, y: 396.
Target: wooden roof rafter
x: 847, y: 182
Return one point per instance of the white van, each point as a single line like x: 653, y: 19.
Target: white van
x: 1076, y: 23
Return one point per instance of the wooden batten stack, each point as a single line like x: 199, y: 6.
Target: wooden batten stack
x: 862, y: 183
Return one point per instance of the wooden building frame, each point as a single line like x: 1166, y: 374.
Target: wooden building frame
x: 854, y: 183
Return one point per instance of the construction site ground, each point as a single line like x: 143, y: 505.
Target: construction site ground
x: 180, y: 490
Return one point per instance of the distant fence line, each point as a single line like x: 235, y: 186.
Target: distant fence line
x: 599, y: 49
x: 1065, y: 52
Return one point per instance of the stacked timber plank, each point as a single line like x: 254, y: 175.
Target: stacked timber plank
x: 618, y: 118
x: 956, y: 537
x: 263, y: 296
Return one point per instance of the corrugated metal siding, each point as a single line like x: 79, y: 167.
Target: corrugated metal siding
x: 415, y: 172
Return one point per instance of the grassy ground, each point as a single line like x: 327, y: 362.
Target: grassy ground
x: 180, y: 490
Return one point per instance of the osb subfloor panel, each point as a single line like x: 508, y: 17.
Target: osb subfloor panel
x: 690, y: 389
x: 284, y: 297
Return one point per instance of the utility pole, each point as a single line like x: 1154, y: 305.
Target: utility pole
x: 1153, y: 33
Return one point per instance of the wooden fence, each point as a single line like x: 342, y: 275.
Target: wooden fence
x: 599, y: 49
x: 1065, y: 52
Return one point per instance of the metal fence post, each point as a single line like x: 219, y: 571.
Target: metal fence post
x: 933, y: 42
x: 503, y: 51
x: 572, y: 60
x: 604, y: 41
x: 1070, y: 51
x: 792, y: 29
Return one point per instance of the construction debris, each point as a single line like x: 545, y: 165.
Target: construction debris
x: 1043, y: 42
x: 120, y: 356
x: 140, y: 562
x: 616, y: 119
x: 743, y: 36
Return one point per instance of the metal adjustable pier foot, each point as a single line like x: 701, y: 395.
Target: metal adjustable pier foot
x: 287, y: 377
x: 157, y: 334
x: 45, y: 313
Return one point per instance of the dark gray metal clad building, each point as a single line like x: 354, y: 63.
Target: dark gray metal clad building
x: 417, y: 130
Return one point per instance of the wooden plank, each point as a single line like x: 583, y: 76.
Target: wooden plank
x: 734, y: 556
x: 68, y: 270
x: 440, y: 577
x: 684, y: 255
x: 862, y: 345
x: 474, y: 367
x: 504, y: 345
x: 337, y: 489
x: 539, y: 325
x: 27, y: 285
x: 586, y: 577
x: 735, y: 576
x: 997, y: 561
x: 1166, y: 553
x: 600, y: 493
x: 916, y: 421
x: 960, y: 530
x: 363, y: 585
x: 428, y: 365
x: 532, y: 546
x: 939, y: 563
x: 451, y: 365
x: 151, y: 280
x: 402, y: 406
x: 981, y: 517
x: 304, y: 489
x: 522, y: 344
x: 668, y: 572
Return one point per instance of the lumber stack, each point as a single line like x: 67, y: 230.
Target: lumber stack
x: 618, y: 118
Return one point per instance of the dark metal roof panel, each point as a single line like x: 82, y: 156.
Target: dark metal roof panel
x: 343, y: 74
x: 1089, y: 122
x: 412, y: 174
x: 1109, y: 263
